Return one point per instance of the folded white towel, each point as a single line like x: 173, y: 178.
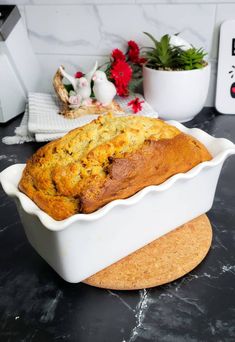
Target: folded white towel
x: 41, y: 121
x: 21, y: 133
x: 40, y: 137
x: 44, y: 118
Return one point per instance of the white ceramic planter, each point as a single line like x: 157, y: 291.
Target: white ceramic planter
x: 176, y: 95
x: 84, y: 244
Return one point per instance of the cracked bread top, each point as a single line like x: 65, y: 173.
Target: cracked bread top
x: 64, y: 171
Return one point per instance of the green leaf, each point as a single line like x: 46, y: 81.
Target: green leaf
x: 165, y: 42
x: 134, y: 84
x: 68, y: 87
x: 152, y: 38
x: 192, y: 59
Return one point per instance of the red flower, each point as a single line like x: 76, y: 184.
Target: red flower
x: 79, y: 74
x: 142, y: 60
x: 134, y: 53
x: 118, y: 55
x: 121, y: 73
x: 136, y: 105
x: 122, y: 90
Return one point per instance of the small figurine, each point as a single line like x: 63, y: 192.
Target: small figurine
x: 77, y: 102
x: 84, y: 89
x: 82, y: 85
x: 104, y: 90
x: 71, y: 79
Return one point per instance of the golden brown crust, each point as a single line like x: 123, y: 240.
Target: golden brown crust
x: 153, y: 163
x: 107, y: 159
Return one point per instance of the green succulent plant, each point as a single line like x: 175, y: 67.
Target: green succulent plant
x: 165, y: 56
x: 162, y: 55
x: 192, y: 59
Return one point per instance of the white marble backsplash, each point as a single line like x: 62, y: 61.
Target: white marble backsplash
x: 75, y: 33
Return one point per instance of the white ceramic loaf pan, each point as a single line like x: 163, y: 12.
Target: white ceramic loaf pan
x: 84, y: 244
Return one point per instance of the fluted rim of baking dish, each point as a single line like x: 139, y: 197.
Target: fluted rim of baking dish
x: 227, y: 148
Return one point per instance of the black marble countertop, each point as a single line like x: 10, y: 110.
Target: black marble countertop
x: 37, y: 305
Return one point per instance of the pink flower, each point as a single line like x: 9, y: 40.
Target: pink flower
x: 75, y: 100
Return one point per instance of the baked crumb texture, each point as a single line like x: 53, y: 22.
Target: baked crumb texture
x: 107, y: 159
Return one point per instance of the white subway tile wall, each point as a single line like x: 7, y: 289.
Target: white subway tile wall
x: 76, y: 33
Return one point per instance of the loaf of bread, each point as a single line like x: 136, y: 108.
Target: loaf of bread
x: 107, y: 159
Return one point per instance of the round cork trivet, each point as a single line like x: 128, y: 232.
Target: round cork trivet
x: 163, y: 260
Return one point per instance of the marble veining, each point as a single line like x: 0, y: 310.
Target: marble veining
x: 142, y: 308
x: 140, y: 312
x: 174, y: 293
x: 4, y: 228
x: 121, y: 300
x: 12, y: 158
x: 62, y: 36
x: 106, y: 37
x: 56, y: 40
x: 228, y: 268
x: 50, y: 307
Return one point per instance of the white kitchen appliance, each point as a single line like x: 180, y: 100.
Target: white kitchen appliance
x: 19, y: 68
x: 225, y: 90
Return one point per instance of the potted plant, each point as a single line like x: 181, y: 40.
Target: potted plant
x: 175, y: 78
